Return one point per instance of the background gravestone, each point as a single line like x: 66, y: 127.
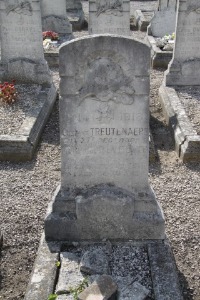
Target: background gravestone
x: 164, y: 19
x: 54, y: 17
x: 75, y: 14
x: 184, y: 68
x: 22, y: 56
x: 107, y: 16
x: 104, y: 126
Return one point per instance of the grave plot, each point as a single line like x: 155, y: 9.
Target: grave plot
x: 142, y: 18
x: 179, y: 94
x: 22, y: 59
x: 162, y: 25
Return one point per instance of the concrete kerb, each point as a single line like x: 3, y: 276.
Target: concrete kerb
x: 159, y: 58
x: 163, y: 270
x: 21, y: 146
x: 186, y: 139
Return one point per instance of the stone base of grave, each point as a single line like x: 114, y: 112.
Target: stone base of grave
x: 26, y: 71
x: 187, y: 141
x: 22, y: 145
x: 104, y: 212
x: 76, y: 18
x: 46, y: 275
x: 159, y: 58
x: 142, y: 19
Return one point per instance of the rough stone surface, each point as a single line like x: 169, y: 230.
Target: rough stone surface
x: 159, y: 58
x: 94, y: 262
x: 22, y: 56
x: 109, y: 17
x: 104, y: 288
x: 43, y: 277
x: 1, y: 238
x: 142, y: 19
x: 164, y: 19
x: 164, y: 272
x: 21, y: 145
x: 54, y: 17
x: 187, y: 141
x: 69, y: 275
x: 184, y: 68
x: 132, y: 291
x: 105, y: 142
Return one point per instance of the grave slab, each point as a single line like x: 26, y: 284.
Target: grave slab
x: 186, y: 139
x: 22, y: 145
x: 75, y: 14
x: 142, y: 19
x: 105, y: 143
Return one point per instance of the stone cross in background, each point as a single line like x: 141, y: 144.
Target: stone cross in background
x: 22, y: 56
x: 109, y: 16
x: 104, y: 127
x: 54, y: 17
x: 164, y: 19
x: 184, y: 68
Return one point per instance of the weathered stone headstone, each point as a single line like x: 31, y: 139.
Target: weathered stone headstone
x: 184, y: 68
x: 109, y: 16
x: 54, y: 17
x: 164, y: 19
x: 75, y: 14
x: 22, y: 56
x: 104, y: 119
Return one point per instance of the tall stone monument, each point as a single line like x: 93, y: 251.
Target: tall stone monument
x: 109, y: 16
x: 22, y: 56
x: 54, y: 17
x: 184, y: 68
x: 104, y: 127
x: 164, y: 19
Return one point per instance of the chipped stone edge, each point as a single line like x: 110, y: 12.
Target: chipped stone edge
x: 159, y: 58
x: 186, y: 139
x: 45, y: 272
x: 21, y: 146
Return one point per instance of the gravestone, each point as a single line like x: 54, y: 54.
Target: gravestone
x: 184, y: 68
x: 54, y: 17
x: 109, y: 16
x: 75, y: 14
x: 104, y: 127
x: 164, y: 19
x: 22, y: 56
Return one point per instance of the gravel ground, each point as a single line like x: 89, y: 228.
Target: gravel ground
x: 26, y: 189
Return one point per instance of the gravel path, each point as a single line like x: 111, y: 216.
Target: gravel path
x: 26, y: 190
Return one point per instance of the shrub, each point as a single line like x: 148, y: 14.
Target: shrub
x: 8, y: 93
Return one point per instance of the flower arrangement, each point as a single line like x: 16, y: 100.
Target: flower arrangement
x: 8, y: 93
x: 53, y: 36
x: 166, y: 43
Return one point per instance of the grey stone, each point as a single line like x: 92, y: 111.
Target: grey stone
x: 164, y: 19
x: 164, y: 272
x: 43, y: 277
x: 21, y: 147
x: 54, y: 17
x: 109, y: 17
x: 73, y: 4
x: 22, y: 56
x: 184, y: 68
x: 1, y: 238
x: 104, y: 288
x: 104, y: 191
x: 69, y: 275
x: 94, y: 262
x: 187, y: 142
x: 133, y: 291
x: 65, y: 297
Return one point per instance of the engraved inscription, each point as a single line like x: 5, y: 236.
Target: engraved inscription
x: 19, y: 7
x: 194, y: 8
x: 114, y: 7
